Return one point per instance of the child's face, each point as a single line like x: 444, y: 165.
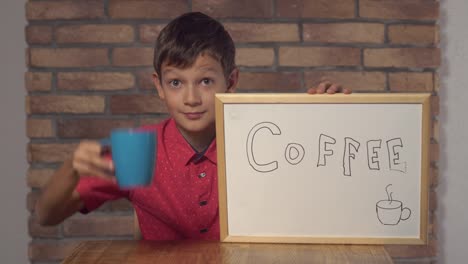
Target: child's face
x: 190, y: 94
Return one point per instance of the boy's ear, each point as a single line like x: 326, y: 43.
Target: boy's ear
x: 157, y: 84
x: 232, y: 81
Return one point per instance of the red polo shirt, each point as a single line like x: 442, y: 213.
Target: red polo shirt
x: 182, y: 201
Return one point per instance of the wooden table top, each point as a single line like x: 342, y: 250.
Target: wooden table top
x: 193, y: 252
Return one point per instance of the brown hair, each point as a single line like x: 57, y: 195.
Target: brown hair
x: 190, y: 35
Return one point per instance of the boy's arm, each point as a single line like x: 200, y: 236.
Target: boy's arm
x: 59, y: 199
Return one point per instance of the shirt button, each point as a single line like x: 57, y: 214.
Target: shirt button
x: 202, y: 175
x: 204, y: 230
x: 203, y: 203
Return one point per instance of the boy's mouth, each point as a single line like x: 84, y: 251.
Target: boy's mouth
x: 193, y: 115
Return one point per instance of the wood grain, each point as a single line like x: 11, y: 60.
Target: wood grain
x: 202, y: 252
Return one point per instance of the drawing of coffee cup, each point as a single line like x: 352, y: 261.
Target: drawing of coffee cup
x: 390, y: 212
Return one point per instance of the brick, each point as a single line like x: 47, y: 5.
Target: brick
x: 344, y: 32
x: 435, y: 130
x: 401, y: 9
x: 112, y: 225
x: 435, y: 105
x: 411, y: 34
x: 38, y: 178
x: 319, y: 56
x: 137, y: 104
x: 252, y: 57
x: 50, y: 250
x: 50, y: 152
x: 147, y: 9
x: 411, y: 82
x: 436, y: 82
x: 31, y: 200
x: 149, y: 33
x: 432, y: 201
x: 434, y: 177
x: 68, y: 57
x: 132, y: 57
x: 64, y: 104
x: 95, y: 34
x: 153, y: 120
x: 356, y: 81
x: 37, y: 230
x: 145, y: 79
x: 234, y: 9
x: 435, y: 246
x: 90, y: 128
x: 38, y: 81
x: 402, y: 57
x: 434, y: 152
x: 431, y: 218
x: 121, y: 205
x: 38, y: 34
x: 316, y: 8
x: 433, y: 225
x: 103, y: 208
x: 27, y: 57
x: 256, y: 32
x: 39, y: 128
x: 50, y: 10
x: 103, y: 81
x: 270, y: 81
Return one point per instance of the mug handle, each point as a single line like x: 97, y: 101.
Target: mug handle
x: 402, y: 213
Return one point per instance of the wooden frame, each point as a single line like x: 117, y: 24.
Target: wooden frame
x: 388, y: 98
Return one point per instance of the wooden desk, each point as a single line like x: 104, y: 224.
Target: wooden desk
x: 193, y: 252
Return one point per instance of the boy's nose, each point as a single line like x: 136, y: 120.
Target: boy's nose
x: 192, y: 96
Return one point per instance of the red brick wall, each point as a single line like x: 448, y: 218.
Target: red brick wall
x: 89, y: 65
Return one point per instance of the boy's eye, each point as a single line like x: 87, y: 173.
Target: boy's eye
x: 175, y: 83
x: 206, y: 81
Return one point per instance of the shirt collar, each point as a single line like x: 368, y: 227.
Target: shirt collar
x: 184, y: 151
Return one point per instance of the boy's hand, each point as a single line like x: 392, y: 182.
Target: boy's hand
x: 88, y: 160
x: 329, y: 88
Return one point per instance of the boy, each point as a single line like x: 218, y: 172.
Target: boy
x: 193, y: 60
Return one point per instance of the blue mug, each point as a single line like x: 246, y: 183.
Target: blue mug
x: 133, y: 153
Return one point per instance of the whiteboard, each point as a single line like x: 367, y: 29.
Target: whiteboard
x: 304, y: 168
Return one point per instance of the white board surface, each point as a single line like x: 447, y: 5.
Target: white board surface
x: 323, y: 170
